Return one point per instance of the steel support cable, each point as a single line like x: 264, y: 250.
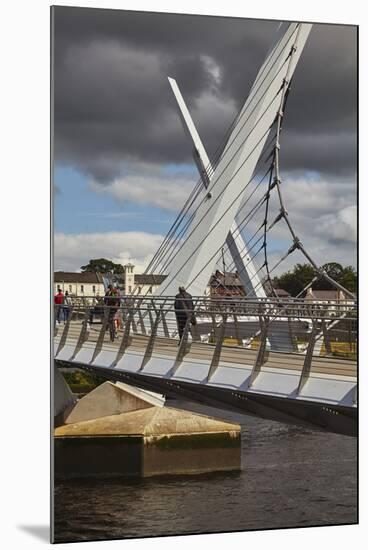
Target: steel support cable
x: 275, y: 165
x: 217, y: 251
x: 296, y: 240
x: 225, y: 151
x: 220, y: 283
x: 181, y: 235
x: 265, y: 225
x: 238, y: 169
x: 249, y: 260
x: 284, y: 96
x: 264, y: 198
x: 261, y: 201
x: 210, y: 231
x: 239, y: 194
x: 238, y: 118
x: 224, y: 146
x: 204, y: 198
x: 245, y: 250
x: 252, y: 259
x: 236, y: 122
x: 175, y: 224
x: 247, y: 119
x: 242, y: 253
x: 250, y: 213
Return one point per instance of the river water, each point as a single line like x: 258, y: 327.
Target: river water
x: 291, y: 476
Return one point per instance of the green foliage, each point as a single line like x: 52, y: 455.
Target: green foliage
x: 102, y: 265
x: 82, y: 380
x: 294, y: 281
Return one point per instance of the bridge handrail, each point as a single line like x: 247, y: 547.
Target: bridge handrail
x: 270, y: 307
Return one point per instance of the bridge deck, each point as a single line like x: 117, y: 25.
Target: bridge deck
x: 282, y: 386
x: 235, y: 355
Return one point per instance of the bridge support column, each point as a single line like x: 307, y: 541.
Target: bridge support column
x: 83, y: 334
x: 308, y: 358
x: 262, y: 354
x: 125, y: 340
x: 218, y: 347
x: 101, y: 335
x: 151, y: 341
x: 65, y: 332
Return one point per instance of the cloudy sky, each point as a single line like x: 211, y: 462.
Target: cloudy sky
x: 123, y: 166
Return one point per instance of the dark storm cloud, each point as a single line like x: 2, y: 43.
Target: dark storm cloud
x: 113, y: 102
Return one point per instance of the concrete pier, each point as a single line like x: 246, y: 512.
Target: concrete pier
x: 147, y: 442
x: 112, y: 398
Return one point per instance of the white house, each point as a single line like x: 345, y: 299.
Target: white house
x: 87, y: 283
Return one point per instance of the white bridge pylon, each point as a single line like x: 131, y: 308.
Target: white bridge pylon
x: 247, y: 273
x: 193, y: 265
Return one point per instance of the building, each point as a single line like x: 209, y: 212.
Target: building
x: 87, y: 283
x: 147, y: 283
x: 329, y: 297
x: 281, y: 293
x: 137, y: 283
x: 228, y: 284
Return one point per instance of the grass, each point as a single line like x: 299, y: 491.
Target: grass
x: 81, y: 382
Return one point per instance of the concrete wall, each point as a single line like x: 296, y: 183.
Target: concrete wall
x: 192, y: 453
x: 98, y: 456
x: 105, y: 400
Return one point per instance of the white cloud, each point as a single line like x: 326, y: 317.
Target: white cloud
x: 156, y: 191
x: 323, y: 214
x: 213, y: 69
x: 213, y: 111
x: 73, y: 251
x: 149, y: 184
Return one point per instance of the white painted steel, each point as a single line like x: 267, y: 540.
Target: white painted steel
x: 247, y: 272
x: 193, y: 266
x: 319, y: 388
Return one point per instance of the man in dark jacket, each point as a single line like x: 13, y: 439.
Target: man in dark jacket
x: 184, y: 310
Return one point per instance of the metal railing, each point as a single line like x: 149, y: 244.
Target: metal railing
x: 241, y: 331
x: 216, y: 330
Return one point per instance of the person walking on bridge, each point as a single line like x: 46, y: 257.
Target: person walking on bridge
x: 112, y: 300
x: 184, y: 310
x: 59, y: 301
x: 67, y: 306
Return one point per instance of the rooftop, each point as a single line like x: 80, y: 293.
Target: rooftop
x: 73, y: 277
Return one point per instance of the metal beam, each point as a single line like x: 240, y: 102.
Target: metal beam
x: 194, y: 264
x: 151, y: 341
x: 101, y: 336
x: 308, y: 358
x: 218, y: 347
x: 248, y: 273
x: 65, y: 331
x: 82, y: 336
x: 262, y: 354
x: 125, y: 341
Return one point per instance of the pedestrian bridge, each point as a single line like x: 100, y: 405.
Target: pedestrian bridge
x: 290, y: 360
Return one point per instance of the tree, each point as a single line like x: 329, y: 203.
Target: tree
x: 345, y: 276
x: 102, y: 265
x: 349, y: 278
x: 296, y: 280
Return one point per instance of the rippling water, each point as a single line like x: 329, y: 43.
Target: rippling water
x: 290, y: 477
